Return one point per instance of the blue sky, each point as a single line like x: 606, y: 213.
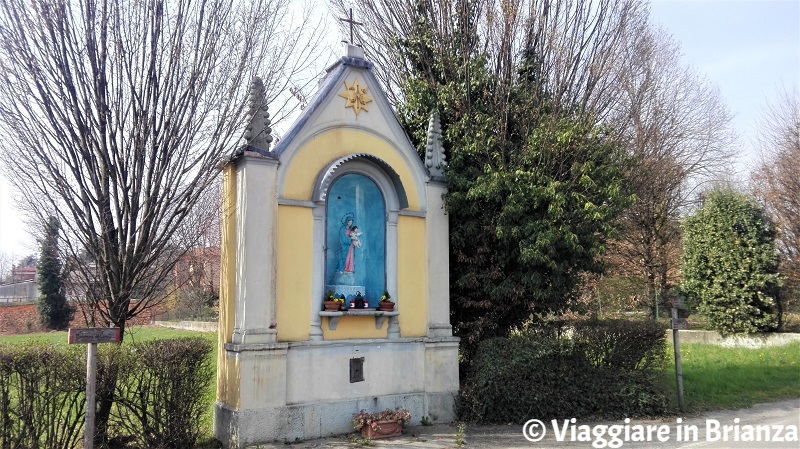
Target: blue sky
x: 748, y: 48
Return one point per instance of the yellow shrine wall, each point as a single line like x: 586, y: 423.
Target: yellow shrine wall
x: 324, y: 148
x: 412, y: 279
x: 275, y: 378
x: 295, y: 268
x: 294, y: 284
x: 227, y: 380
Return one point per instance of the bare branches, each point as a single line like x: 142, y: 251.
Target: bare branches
x: 576, y: 45
x: 573, y: 45
x: 391, y: 24
x: 676, y: 127
x: 777, y: 180
x: 671, y: 116
x: 115, y: 113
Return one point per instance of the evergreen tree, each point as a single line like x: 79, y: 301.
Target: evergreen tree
x: 54, y: 311
x: 730, y: 264
x: 533, y: 193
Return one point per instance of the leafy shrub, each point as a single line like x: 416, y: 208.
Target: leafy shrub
x: 42, y: 396
x: 621, y: 344
x: 596, y: 369
x: 730, y: 264
x: 161, y: 391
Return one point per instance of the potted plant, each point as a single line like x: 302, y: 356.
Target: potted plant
x: 385, y: 424
x: 331, y: 302
x: 386, y: 304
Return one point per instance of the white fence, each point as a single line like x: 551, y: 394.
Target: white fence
x: 27, y: 291
x: 743, y: 341
x: 199, y: 326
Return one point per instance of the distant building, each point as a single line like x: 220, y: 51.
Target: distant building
x: 199, y: 267
x: 22, y: 274
x: 22, y: 285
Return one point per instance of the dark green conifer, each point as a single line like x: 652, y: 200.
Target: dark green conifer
x: 54, y: 311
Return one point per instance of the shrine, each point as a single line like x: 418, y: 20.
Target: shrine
x: 341, y: 208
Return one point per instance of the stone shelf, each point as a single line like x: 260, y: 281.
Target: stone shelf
x: 380, y: 316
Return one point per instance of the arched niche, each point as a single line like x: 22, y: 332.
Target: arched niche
x: 355, y: 239
x: 367, y: 190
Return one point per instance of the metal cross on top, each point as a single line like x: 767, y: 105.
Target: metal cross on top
x: 351, y: 22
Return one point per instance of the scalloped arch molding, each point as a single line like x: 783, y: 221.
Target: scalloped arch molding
x: 331, y: 172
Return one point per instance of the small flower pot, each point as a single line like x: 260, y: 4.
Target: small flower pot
x: 386, y: 429
x: 331, y: 306
x: 386, y: 306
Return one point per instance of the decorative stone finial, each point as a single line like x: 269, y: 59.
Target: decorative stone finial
x: 434, y: 151
x: 258, y: 130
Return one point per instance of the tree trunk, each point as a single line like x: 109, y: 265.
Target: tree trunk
x: 106, y: 388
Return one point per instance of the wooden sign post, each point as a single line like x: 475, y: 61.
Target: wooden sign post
x: 677, y: 325
x: 91, y: 336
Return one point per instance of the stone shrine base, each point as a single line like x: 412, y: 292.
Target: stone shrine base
x: 303, y: 390
x: 308, y: 421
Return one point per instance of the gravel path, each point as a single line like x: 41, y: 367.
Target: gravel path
x: 661, y: 434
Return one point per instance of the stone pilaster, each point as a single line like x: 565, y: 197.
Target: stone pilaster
x: 256, y: 221
x: 438, y: 250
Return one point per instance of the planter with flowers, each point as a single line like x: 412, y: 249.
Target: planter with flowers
x: 385, y: 424
x: 386, y: 304
x: 332, y: 303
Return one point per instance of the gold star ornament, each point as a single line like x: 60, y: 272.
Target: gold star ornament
x: 355, y: 96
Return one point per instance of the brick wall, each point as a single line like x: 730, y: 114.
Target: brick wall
x: 19, y: 319
x: 24, y: 318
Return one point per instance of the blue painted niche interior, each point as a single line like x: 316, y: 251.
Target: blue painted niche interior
x: 354, y: 200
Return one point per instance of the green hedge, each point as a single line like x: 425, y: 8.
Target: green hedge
x: 161, y: 389
x: 42, y: 396
x: 160, y: 392
x: 581, y: 369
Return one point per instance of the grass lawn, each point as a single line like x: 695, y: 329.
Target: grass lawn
x: 135, y: 333
x: 715, y: 377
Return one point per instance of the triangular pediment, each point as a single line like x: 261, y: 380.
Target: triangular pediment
x: 350, y: 97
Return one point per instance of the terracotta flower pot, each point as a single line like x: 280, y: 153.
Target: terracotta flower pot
x: 386, y: 429
x: 331, y: 306
x: 385, y: 306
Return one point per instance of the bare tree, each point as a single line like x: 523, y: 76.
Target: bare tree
x: 115, y: 113
x: 6, y: 263
x: 196, y: 282
x: 675, y: 125
x: 575, y: 45
x: 777, y: 180
x: 572, y: 45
